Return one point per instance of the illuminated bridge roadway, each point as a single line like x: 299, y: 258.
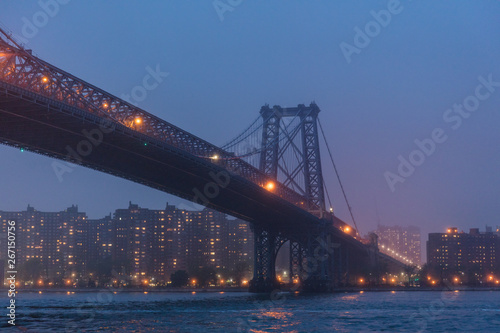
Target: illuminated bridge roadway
x: 48, y: 111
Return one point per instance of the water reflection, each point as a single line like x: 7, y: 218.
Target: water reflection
x: 231, y: 312
x: 353, y: 297
x: 282, y: 321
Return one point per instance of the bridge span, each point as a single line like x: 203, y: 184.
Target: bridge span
x: 48, y: 111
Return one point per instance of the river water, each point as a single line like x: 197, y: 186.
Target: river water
x: 401, y: 311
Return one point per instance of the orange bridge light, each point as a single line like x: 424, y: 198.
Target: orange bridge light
x: 270, y: 186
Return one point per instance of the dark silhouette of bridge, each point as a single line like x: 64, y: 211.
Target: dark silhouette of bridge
x: 48, y: 111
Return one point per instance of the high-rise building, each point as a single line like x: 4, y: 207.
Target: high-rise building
x: 157, y: 243
x: 135, y: 241
x: 147, y: 241
x: 456, y: 251
x: 51, y: 237
x: 98, y: 241
x: 402, y: 241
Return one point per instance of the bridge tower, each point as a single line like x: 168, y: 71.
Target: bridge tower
x: 309, y: 153
x: 307, y: 178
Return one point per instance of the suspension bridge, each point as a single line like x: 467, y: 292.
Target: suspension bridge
x: 270, y: 175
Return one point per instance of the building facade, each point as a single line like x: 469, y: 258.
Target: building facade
x: 455, y: 251
x: 55, y: 239
x: 404, y: 241
x: 136, y: 242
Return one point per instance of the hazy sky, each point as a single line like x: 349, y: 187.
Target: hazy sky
x: 379, y: 91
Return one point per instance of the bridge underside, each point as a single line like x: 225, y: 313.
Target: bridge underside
x: 54, y: 129
x: 50, y: 128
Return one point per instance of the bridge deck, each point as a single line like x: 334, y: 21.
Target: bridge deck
x: 48, y: 111
x: 54, y: 129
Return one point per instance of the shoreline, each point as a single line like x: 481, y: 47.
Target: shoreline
x: 242, y: 290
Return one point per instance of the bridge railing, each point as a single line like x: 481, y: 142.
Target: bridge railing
x: 20, y: 68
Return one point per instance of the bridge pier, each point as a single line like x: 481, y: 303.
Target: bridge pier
x: 316, y: 263
x: 267, y: 244
x: 340, y: 268
x: 297, y: 258
x: 318, y: 268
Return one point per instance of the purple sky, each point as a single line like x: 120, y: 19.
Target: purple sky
x: 377, y: 94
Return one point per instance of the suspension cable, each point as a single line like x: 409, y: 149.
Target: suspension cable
x: 327, y: 195
x: 338, y: 177
x: 240, y: 137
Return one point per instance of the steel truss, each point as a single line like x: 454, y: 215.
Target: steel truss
x: 20, y: 68
x: 309, y: 152
x: 267, y: 244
